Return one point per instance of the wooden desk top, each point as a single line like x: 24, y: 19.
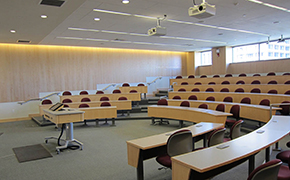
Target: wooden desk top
x: 239, y: 148
x: 161, y: 139
x: 232, y: 80
x: 140, y: 89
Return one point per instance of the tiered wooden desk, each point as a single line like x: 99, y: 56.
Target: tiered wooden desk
x: 96, y: 97
x: 237, y: 97
x: 281, y: 88
x: 66, y: 117
x: 249, y: 111
x: 187, y: 114
x: 140, y: 89
x: 145, y: 148
x: 232, y: 80
x: 211, y: 161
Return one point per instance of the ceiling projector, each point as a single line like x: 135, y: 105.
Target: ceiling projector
x: 204, y: 10
x: 157, y: 31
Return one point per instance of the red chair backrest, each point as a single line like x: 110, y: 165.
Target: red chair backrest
x: 125, y: 85
x: 67, y: 101
x: 122, y: 98
x: 228, y: 99
x: 140, y: 84
x: 265, y: 102
x: 162, y: 102
x: 203, y: 106
x: 86, y: 100
x: 191, y: 76
x: 83, y: 93
x: 103, y: 104
x: 104, y: 98
x: 195, y: 90
x: 235, y: 110
x: 46, y: 101
x: 133, y: 91
x: 256, y: 82
x: 256, y: 90
x: 273, y: 91
x: 240, y: 90
x: 209, y: 90
x: 210, y: 98
x: 225, y: 90
x: 246, y: 100
x: 176, y: 97
x: 99, y: 92
x: 192, y: 97
x: 185, y: 104
x: 66, y: 93
x: 181, y: 90
x: 226, y: 82
x: 83, y: 106
x: 220, y: 107
x: 240, y: 82
x: 116, y: 91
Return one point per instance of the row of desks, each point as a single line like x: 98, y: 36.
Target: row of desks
x: 237, y: 97
x: 249, y: 111
x: 232, y: 80
x: 96, y: 97
x: 281, y: 88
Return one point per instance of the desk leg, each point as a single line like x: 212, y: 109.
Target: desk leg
x: 251, y: 164
x: 180, y: 124
x: 277, y: 147
x: 205, y: 140
x: 267, y: 154
x: 140, y: 168
x: 113, y: 122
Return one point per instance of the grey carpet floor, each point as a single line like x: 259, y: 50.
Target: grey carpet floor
x: 104, y: 156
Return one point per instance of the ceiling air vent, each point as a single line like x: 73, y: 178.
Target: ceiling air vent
x: 56, y: 3
x: 23, y: 41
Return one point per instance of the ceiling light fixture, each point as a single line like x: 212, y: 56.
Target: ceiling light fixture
x: 12, y: 31
x: 112, y: 12
x: 97, y: 19
x: 43, y: 16
x: 125, y: 1
x: 270, y: 5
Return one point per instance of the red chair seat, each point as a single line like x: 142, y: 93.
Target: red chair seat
x: 165, y: 160
x: 230, y: 121
x: 284, y: 173
x: 283, y: 156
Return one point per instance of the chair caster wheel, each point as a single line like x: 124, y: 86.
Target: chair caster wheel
x: 46, y: 141
x: 57, y: 151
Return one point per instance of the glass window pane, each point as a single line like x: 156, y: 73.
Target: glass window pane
x: 267, y: 52
x: 205, y: 58
x: 246, y: 53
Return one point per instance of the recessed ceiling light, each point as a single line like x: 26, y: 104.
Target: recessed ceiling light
x: 43, y: 16
x: 97, y: 19
x: 125, y: 1
x: 12, y: 31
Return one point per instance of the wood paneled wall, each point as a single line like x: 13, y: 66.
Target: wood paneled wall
x: 27, y: 70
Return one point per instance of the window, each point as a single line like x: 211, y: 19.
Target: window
x: 246, y: 53
x: 280, y: 48
x: 204, y: 59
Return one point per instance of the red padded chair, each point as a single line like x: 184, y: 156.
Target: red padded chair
x: 235, y: 111
x: 256, y: 75
x: 287, y: 82
x: 246, y: 100
x: 181, y: 90
x: 240, y: 82
x: 161, y: 102
x: 125, y: 85
x: 46, y: 101
x: 228, y: 75
x: 273, y: 82
x: 228, y: 99
x: 104, y: 98
x: 285, y: 108
x: 67, y: 101
x: 179, y: 142
x: 287, y: 92
x: 210, y: 98
x: 209, y: 90
x: 266, y: 171
x: 104, y: 104
x: 191, y: 76
x: 116, y: 91
x: 122, y: 98
x: 203, y: 106
x: 226, y: 82
x: 220, y: 107
x: 178, y: 77
x: 192, y: 97
x: 211, y: 83
x: 216, y: 137
x: 185, y: 104
x: 184, y: 83
x: 140, y: 84
x: 66, y: 106
x: 271, y: 74
x: 273, y: 91
x: 203, y: 76
x: 216, y: 76
x: 242, y: 75
x: 195, y: 90
x: 84, y: 92
x: 176, y: 97
x: 133, y: 91
x: 285, y: 74
x: 240, y: 90
x: 225, y: 90
x: 84, y: 106
x: 99, y: 92
x: 66, y: 93
x: 235, y: 130
x: 265, y: 102
x: 197, y: 83
x: 255, y: 90
x: 86, y: 100
x: 256, y: 82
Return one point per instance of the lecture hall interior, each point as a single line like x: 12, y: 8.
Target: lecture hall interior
x: 145, y: 89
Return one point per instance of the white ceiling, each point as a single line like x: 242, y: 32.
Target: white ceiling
x: 24, y: 17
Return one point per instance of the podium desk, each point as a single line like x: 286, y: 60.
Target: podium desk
x: 222, y: 157
x: 97, y: 113
x: 145, y: 148
x: 187, y: 114
x: 249, y: 111
x: 67, y: 118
